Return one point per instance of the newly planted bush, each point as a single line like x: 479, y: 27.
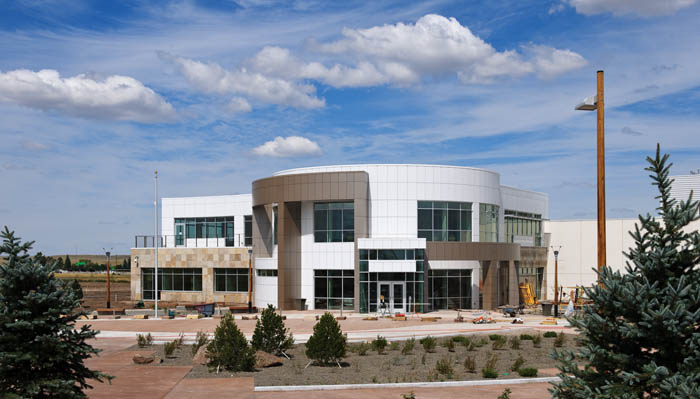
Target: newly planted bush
x: 518, y: 363
x: 450, y: 345
x: 428, y: 343
x: 379, y: 344
x: 470, y: 364
x: 489, y: 373
x: 327, y: 344
x: 394, y: 346
x: 528, y: 372
x: 498, y: 345
x: 514, y: 342
x: 461, y: 339
x: 270, y: 334
x: 169, y: 348
x: 408, y: 346
x: 201, y: 340
x: 444, y: 366
x: 229, y: 349
x: 496, y: 337
x: 144, y: 340
x: 180, y: 339
x: 362, y: 348
x: 550, y: 334
x: 481, y: 342
x: 525, y: 337
x: 560, y: 340
x: 537, y: 341
x: 505, y: 395
x: 471, y: 347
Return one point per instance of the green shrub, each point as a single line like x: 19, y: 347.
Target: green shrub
x: 229, y: 349
x: 144, y: 340
x: 201, y: 340
x: 169, y: 348
x: 505, y: 395
x: 470, y: 364
x: 327, y: 344
x: 515, y: 342
x: 450, y: 345
x: 518, y: 363
x: 498, y: 345
x: 444, y: 366
x: 481, y: 342
x: 410, y: 395
x: 550, y: 334
x: 428, y: 343
x: 528, y: 372
x: 140, y: 305
x: 537, y: 341
x: 394, y: 346
x: 408, y: 346
x: 270, y: 333
x: 379, y: 344
x: 489, y: 373
x: 496, y: 337
x: 180, y: 339
x: 362, y: 348
x: 525, y: 337
x: 560, y: 340
x: 461, y: 339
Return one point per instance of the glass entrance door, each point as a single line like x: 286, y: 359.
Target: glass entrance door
x: 391, y: 297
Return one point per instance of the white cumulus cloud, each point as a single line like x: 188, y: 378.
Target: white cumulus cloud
x: 115, y: 97
x: 550, y: 62
x: 292, y: 146
x: 238, y: 105
x: 212, y: 78
x: 643, y: 8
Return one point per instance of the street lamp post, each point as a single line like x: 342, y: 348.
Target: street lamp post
x: 597, y: 103
x: 108, y: 288
x: 556, y: 281
x: 250, y: 281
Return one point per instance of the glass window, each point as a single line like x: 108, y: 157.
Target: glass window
x: 171, y: 279
x: 333, y: 288
x: 488, y: 223
x: 444, y: 221
x: 231, y: 279
x: 334, y: 222
x: 210, y: 228
x: 450, y: 289
x: 248, y: 230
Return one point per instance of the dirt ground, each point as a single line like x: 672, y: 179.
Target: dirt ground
x: 95, y: 295
x: 390, y: 367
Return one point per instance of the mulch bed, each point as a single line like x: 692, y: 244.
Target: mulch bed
x: 390, y: 367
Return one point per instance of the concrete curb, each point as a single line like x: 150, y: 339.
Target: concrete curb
x: 513, y: 381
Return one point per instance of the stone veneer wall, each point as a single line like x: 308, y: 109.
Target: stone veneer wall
x: 205, y: 258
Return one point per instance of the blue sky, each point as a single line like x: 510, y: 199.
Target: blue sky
x: 96, y: 95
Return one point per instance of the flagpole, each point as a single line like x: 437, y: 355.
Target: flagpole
x: 155, y: 242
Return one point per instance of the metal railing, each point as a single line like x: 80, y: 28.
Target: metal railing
x: 180, y: 241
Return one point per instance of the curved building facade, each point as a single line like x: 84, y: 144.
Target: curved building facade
x: 368, y: 238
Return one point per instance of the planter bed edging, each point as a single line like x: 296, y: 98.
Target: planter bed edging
x: 511, y: 381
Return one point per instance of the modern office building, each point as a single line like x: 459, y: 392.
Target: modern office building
x: 420, y: 237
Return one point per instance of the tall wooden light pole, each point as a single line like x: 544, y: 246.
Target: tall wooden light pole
x: 589, y: 104
x: 107, y: 253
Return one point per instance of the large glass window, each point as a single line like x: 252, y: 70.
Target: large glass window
x: 334, y: 222
x: 274, y: 225
x: 220, y: 227
x: 334, y: 288
x: 170, y: 279
x: 488, y: 223
x: 445, y: 221
x: 451, y: 289
x: 523, y: 227
x: 231, y: 279
x: 248, y: 230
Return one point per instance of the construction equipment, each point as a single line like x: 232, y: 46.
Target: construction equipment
x: 527, y: 295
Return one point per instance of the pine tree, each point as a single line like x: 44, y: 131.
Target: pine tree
x: 66, y: 263
x: 42, y: 353
x: 640, y: 336
x: 327, y: 344
x: 229, y: 349
x: 270, y: 335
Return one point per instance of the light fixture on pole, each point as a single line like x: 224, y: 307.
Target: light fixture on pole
x: 155, y: 244
x: 108, y: 288
x: 597, y: 103
x: 250, y: 280
x: 556, y: 279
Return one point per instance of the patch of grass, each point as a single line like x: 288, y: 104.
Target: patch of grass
x: 560, y: 340
x: 428, y: 344
x: 408, y: 346
x: 525, y: 337
x: 515, y: 342
x: 498, y: 345
x: 489, y: 373
x: 394, y: 346
x: 517, y: 364
x: 550, y: 334
x: 496, y: 337
x: 461, y: 339
x: 94, y: 277
x: 528, y: 372
x: 444, y: 366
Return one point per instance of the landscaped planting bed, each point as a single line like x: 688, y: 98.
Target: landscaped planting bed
x: 394, y: 366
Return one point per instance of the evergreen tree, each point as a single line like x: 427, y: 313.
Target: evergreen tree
x: 42, y: 353
x: 66, y: 263
x: 639, y: 337
x: 59, y: 264
x: 327, y: 344
x: 229, y: 349
x: 270, y: 335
